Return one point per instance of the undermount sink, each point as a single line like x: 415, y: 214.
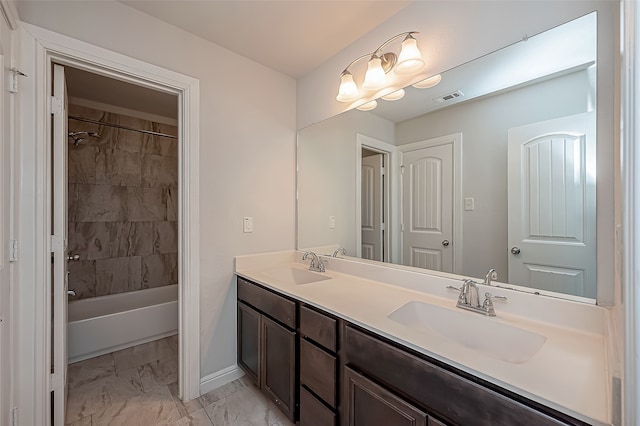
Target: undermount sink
x: 296, y: 276
x: 479, y: 333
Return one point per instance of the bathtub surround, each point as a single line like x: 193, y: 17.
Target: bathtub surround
x: 122, y: 206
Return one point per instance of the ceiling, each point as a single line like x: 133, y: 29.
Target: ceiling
x: 293, y: 37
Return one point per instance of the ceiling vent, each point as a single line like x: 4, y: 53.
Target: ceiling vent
x: 449, y: 97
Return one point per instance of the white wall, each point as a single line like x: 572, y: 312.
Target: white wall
x: 327, y: 177
x: 484, y: 124
x: 247, y: 146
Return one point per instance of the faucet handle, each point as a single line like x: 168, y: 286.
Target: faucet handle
x: 489, y: 296
x: 450, y: 287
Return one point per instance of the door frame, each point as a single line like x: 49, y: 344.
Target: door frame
x: 390, y: 153
x: 41, y: 48
x: 455, y: 140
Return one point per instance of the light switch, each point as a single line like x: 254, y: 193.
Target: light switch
x: 247, y: 224
x: 332, y: 222
x: 469, y: 204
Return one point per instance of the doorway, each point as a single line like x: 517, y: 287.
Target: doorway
x: 48, y: 49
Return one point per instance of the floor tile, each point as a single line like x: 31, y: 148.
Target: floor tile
x: 158, y: 373
x: 220, y: 393
x: 173, y: 343
x: 245, y: 407
x: 185, y: 408
x: 86, y: 371
x: 155, y: 408
x: 199, y: 418
x: 142, y: 354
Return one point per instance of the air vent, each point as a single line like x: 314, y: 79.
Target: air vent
x: 449, y: 96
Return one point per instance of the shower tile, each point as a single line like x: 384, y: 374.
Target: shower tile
x: 165, y: 237
x: 173, y: 343
x: 146, y: 204
x: 159, y: 270
x: 118, y: 275
x: 81, y: 164
x: 155, y: 408
x: 72, y: 202
x: 115, y: 167
x: 131, y: 238
x: 85, y: 421
x: 89, y: 239
x: 167, y: 129
x: 158, y: 171
x: 199, y: 418
x: 90, y: 370
x: 130, y: 141
x: 159, y: 145
x: 172, y: 203
x: 100, y: 203
x: 158, y: 373
x: 135, y: 356
x: 82, y: 278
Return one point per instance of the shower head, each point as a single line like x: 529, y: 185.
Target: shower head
x: 77, y: 136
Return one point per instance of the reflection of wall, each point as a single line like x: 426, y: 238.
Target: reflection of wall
x: 326, y: 183
x: 484, y: 124
x: 122, y: 206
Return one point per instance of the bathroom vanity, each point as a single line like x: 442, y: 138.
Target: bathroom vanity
x: 342, y: 348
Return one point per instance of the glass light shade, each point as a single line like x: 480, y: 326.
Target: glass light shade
x: 394, y: 96
x: 428, y: 82
x: 348, y: 90
x: 375, y: 78
x: 368, y: 106
x: 410, y: 59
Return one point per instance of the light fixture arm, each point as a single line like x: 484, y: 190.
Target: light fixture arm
x: 379, y: 49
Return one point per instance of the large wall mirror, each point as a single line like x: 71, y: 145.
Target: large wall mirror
x: 493, y: 167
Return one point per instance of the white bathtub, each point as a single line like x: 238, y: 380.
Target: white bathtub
x: 104, y: 324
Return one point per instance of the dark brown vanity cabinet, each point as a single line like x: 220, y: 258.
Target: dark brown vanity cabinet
x: 267, y: 343
x: 319, y: 368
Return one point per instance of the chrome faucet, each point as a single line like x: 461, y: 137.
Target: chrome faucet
x: 317, y: 264
x: 491, y: 275
x: 340, y: 250
x: 469, y: 299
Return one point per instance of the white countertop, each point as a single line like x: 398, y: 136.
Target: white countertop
x: 569, y: 373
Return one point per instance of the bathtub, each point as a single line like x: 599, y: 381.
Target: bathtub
x: 104, y: 324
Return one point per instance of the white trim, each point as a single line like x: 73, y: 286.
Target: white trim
x: 220, y: 378
x: 391, y: 195
x: 455, y: 140
x: 122, y: 111
x: 630, y: 179
x: 10, y: 13
x: 40, y: 48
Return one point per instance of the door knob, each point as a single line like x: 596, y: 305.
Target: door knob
x: 445, y: 243
x: 515, y: 250
x: 73, y: 258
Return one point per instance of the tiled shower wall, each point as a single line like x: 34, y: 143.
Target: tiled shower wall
x: 122, y: 206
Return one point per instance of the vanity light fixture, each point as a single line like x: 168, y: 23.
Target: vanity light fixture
x: 368, y: 106
x: 408, y: 61
x: 428, y: 82
x: 394, y: 96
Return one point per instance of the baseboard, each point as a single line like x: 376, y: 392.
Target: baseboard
x: 220, y: 378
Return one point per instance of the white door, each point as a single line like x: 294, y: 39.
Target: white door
x: 552, y: 205
x: 372, y: 207
x: 427, y: 207
x: 59, y: 246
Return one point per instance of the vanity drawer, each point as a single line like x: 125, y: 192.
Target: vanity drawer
x: 318, y: 371
x: 314, y: 412
x: 318, y: 327
x: 446, y: 394
x: 275, y: 306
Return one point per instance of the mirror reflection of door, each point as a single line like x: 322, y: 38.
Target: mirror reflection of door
x: 427, y: 206
x: 552, y: 205
x: 372, y: 180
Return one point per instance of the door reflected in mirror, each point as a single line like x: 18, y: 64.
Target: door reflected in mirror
x: 501, y: 176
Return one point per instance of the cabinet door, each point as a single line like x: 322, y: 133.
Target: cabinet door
x: 369, y: 404
x: 278, y: 377
x: 249, y: 333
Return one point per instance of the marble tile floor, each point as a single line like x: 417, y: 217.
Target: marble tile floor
x: 138, y: 386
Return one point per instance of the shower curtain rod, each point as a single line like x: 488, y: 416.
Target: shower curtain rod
x: 102, y: 123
